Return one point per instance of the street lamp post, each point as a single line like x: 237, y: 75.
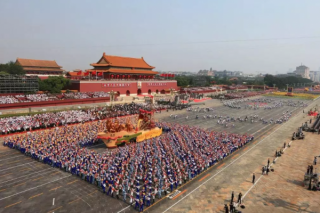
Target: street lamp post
x: 112, y: 93
x: 172, y: 91
x: 287, y: 87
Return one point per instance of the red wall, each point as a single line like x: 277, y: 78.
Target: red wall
x: 123, y: 86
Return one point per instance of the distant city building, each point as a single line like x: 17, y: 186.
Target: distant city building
x: 206, y: 72
x: 225, y: 73
x: 315, y: 76
x: 179, y: 73
x: 288, y: 75
x: 303, y: 71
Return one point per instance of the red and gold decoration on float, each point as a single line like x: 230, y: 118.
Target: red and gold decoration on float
x: 118, y: 134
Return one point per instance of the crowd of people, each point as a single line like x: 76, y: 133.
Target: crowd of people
x: 138, y: 173
x: 51, y: 119
x: 9, y: 99
x: 264, y: 103
x: 243, y: 94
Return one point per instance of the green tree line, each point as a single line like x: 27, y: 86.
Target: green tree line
x: 11, y: 68
x: 54, y: 84
x: 281, y: 83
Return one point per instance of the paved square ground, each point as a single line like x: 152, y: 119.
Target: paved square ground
x: 30, y: 186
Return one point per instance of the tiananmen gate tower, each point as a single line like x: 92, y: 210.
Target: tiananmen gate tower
x: 123, y: 75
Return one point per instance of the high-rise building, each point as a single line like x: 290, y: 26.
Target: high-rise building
x: 315, y: 76
x: 303, y: 71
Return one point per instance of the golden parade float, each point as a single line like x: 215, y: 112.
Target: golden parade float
x: 118, y: 134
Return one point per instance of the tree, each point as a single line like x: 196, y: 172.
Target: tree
x: 183, y: 81
x: 53, y: 84
x: 12, y: 68
x: 3, y: 73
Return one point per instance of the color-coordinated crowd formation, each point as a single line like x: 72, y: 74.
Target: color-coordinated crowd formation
x: 139, y: 172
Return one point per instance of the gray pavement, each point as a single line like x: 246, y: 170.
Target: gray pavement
x: 30, y: 186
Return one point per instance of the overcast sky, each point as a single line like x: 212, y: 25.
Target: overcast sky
x: 172, y: 35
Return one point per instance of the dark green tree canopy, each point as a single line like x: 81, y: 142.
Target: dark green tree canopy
x: 282, y: 82
x: 12, y: 68
x: 54, y: 84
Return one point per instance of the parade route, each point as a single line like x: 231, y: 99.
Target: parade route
x: 30, y: 186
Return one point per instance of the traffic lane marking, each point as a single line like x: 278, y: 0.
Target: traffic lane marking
x: 93, y: 192
x: 5, y: 175
x: 235, y: 156
x: 12, y: 204
x: 181, y: 193
x: 55, y: 188
x: 37, y: 178
x: 74, y: 201
x: 203, y: 177
x: 220, y: 166
x: 72, y: 182
x: 19, y: 184
x: 35, y: 195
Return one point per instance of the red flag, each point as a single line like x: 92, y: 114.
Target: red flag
x: 86, y: 73
x: 79, y: 73
x: 100, y: 74
x: 173, y: 75
x: 94, y: 72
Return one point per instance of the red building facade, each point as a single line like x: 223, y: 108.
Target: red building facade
x: 125, y: 88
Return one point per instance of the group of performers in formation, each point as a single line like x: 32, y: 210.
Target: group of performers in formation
x: 262, y: 103
x: 229, y: 121
x: 138, y: 173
